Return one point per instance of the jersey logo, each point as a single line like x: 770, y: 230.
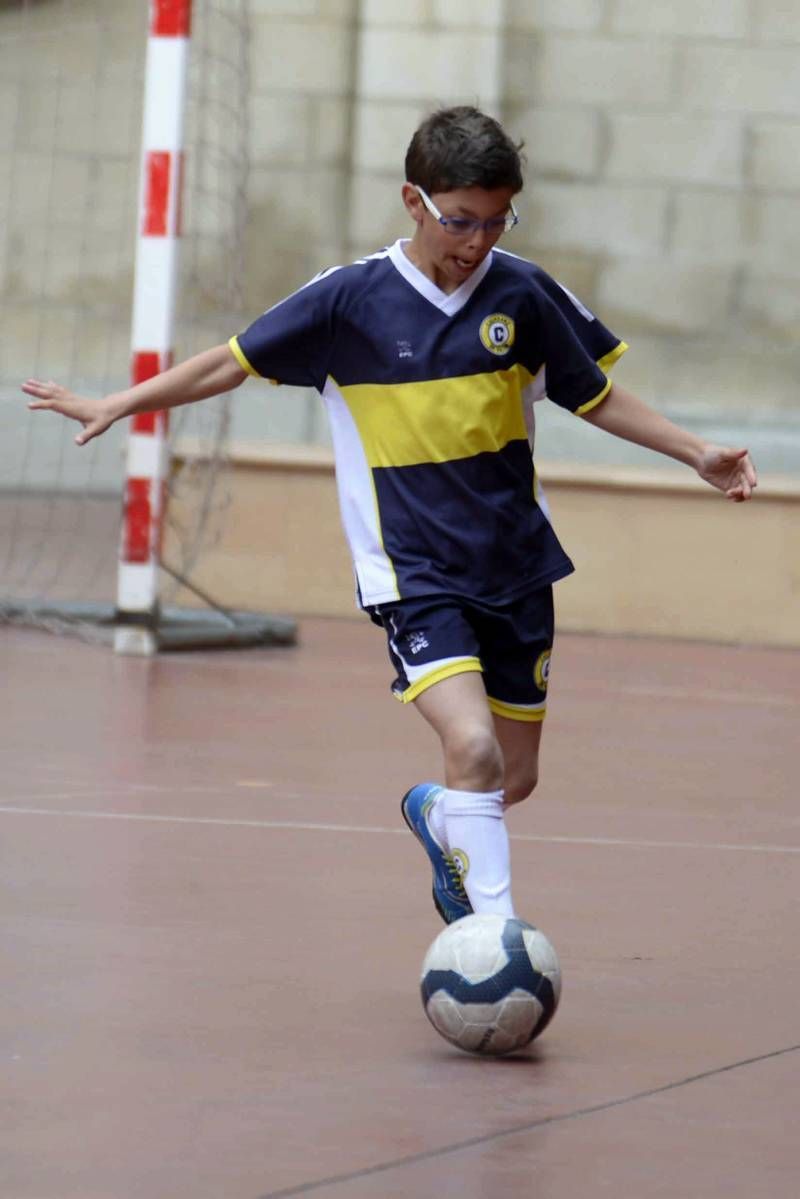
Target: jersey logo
x: 497, y: 333
x: 541, y: 671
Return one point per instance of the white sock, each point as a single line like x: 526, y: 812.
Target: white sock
x: 477, y: 838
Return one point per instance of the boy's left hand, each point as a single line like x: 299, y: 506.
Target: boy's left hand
x: 729, y: 470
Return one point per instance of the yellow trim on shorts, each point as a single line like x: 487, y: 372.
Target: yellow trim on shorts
x: 512, y: 712
x: 436, y: 676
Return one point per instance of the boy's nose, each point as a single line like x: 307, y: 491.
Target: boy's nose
x: 480, y: 240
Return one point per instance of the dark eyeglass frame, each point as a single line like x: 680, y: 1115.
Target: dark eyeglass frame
x: 463, y: 226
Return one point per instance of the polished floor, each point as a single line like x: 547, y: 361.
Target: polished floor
x: 213, y: 920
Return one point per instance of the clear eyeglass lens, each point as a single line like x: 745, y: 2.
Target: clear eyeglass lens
x: 460, y: 226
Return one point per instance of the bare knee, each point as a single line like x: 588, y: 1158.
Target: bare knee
x: 521, y: 784
x: 474, y: 760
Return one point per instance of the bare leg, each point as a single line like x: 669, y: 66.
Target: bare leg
x: 519, y: 741
x: 457, y: 710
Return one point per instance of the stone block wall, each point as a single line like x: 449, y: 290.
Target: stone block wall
x: 663, y: 177
x: 663, y: 173
x: 663, y: 144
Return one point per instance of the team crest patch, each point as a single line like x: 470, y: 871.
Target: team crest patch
x: 541, y: 671
x: 497, y: 333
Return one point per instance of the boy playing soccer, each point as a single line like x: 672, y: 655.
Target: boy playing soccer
x: 429, y: 355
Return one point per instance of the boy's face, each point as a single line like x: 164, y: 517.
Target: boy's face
x: 449, y: 259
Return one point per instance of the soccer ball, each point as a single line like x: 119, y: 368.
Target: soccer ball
x: 490, y: 984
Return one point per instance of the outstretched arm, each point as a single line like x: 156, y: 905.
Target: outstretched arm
x: 625, y: 415
x: 211, y: 373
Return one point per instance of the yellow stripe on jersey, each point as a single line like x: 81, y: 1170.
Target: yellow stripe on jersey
x: 613, y: 356
x: 590, y: 404
x: 605, y: 365
x: 239, y: 355
x: 438, y: 420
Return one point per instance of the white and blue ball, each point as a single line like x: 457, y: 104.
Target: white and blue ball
x: 490, y: 984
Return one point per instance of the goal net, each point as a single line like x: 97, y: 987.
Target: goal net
x: 71, y: 95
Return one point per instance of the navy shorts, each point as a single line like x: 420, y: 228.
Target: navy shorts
x: 437, y: 636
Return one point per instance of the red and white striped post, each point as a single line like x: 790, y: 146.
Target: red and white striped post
x: 155, y: 286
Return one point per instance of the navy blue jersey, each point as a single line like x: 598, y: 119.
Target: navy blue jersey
x: 427, y: 396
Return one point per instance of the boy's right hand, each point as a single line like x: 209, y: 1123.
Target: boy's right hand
x: 94, y: 415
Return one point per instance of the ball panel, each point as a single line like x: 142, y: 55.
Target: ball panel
x: 445, y: 1016
x: 489, y: 984
x: 540, y: 951
x: 480, y: 953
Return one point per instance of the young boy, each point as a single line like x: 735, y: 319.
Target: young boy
x: 428, y: 356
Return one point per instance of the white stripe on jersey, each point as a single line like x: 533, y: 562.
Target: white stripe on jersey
x: 359, y: 507
x: 582, y: 309
x: 331, y: 270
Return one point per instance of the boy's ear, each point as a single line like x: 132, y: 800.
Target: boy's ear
x: 413, y: 202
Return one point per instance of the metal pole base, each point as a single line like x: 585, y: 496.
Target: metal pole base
x: 135, y: 642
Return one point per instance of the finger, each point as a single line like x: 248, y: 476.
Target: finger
x: 34, y: 388
x: 88, y: 432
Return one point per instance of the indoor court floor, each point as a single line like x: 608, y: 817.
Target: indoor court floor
x: 214, y: 918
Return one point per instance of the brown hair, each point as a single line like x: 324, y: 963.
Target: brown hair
x: 463, y: 147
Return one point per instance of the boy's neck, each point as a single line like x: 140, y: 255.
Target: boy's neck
x: 417, y: 258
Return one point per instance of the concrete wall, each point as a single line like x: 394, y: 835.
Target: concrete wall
x: 662, y: 145
x: 655, y: 554
x: 662, y: 185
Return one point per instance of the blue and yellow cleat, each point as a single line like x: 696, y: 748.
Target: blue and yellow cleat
x: 449, y: 896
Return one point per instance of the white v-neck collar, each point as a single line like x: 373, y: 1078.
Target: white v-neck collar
x: 450, y: 303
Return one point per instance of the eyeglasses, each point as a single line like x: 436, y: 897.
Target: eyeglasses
x: 462, y: 226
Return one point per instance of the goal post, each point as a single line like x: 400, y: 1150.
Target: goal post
x: 153, y: 322
x: 124, y: 157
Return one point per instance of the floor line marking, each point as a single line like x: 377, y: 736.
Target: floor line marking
x: 129, y: 790
x: 414, y: 1159
x: 380, y: 830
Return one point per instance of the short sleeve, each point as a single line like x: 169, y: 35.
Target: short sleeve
x: 578, y: 349
x: 292, y: 342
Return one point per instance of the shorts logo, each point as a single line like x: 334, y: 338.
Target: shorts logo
x: 541, y: 671
x: 416, y: 642
x: 497, y: 333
